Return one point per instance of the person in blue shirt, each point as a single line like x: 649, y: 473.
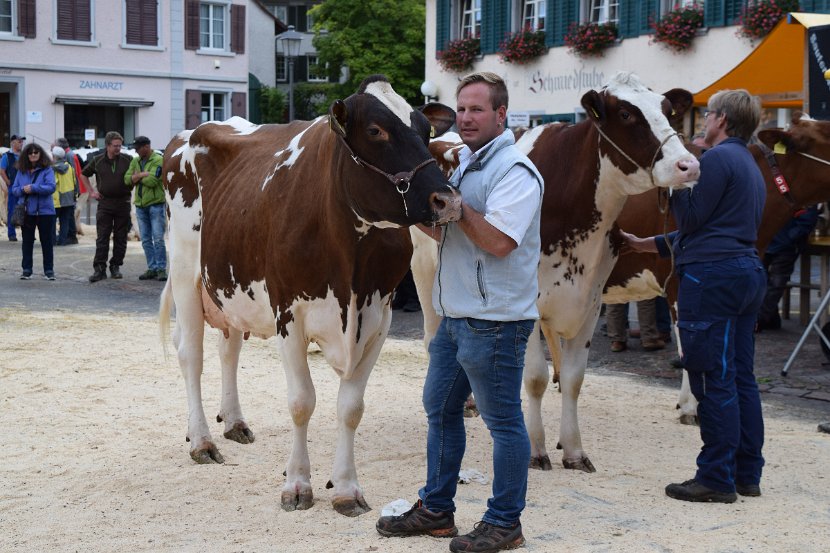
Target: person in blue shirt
x: 779, y: 261
x: 8, y: 171
x: 722, y: 285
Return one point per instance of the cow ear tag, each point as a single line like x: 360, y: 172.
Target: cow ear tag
x: 596, y: 115
x: 431, y: 131
x: 780, y: 148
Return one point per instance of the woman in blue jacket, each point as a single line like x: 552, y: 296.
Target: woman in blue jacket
x: 34, y: 185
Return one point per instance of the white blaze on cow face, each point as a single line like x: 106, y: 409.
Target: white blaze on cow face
x: 627, y: 87
x: 383, y: 91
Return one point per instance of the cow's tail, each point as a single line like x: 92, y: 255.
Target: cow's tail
x: 165, y: 309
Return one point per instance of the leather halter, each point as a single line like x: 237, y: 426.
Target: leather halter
x: 778, y: 178
x: 401, y: 180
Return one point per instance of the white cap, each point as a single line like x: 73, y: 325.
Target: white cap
x: 58, y: 153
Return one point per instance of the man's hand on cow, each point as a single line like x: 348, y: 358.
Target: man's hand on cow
x: 635, y: 244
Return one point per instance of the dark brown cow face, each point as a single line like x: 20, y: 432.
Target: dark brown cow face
x: 393, y: 180
x: 636, y: 124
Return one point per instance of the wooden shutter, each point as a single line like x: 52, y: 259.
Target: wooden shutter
x: 237, y: 29
x: 26, y: 22
x: 561, y: 14
x: 713, y: 13
x: 142, y: 22
x: 732, y: 11
x: 239, y: 104
x: 191, y: 26
x: 74, y: 20
x: 443, y: 15
x: 192, y: 108
x: 648, y: 13
x: 635, y: 16
x: 495, y: 23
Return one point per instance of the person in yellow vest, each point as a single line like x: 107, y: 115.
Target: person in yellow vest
x: 64, y: 195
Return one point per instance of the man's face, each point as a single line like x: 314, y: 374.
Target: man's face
x: 713, y: 124
x: 17, y: 145
x: 478, y: 123
x: 114, y: 148
x: 144, y: 151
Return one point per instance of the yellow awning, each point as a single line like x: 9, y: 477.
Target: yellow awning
x: 775, y: 69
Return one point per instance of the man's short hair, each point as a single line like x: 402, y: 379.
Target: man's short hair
x: 140, y: 141
x: 62, y: 142
x: 498, y: 90
x: 112, y: 135
x: 742, y: 111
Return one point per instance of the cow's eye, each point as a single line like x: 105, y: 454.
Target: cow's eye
x: 625, y: 115
x: 374, y: 131
x: 377, y: 133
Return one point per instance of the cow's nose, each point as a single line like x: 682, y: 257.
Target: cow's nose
x: 446, y: 206
x: 690, y: 165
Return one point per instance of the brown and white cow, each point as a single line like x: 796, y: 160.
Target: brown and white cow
x: 625, y: 147
x: 299, y: 231
x: 804, y: 161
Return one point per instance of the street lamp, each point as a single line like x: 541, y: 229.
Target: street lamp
x: 430, y: 91
x: 290, y: 41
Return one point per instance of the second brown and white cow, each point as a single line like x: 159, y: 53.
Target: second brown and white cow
x: 298, y: 231
x: 626, y: 146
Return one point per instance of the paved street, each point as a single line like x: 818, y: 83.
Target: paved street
x: 806, y: 390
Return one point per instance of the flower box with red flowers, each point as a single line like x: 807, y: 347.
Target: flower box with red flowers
x: 760, y: 16
x: 590, y: 39
x: 677, y: 28
x: 523, y: 46
x: 459, y: 55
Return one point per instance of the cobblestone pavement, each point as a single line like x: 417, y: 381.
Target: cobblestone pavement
x: 806, y: 390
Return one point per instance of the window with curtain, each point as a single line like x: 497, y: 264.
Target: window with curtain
x: 533, y: 14
x: 7, y: 13
x: 213, y: 106
x: 604, y: 11
x: 212, y: 19
x: 470, y: 18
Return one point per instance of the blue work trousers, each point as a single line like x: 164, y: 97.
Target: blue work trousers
x: 11, y: 201
x: 486, y: 357
x: 718, y: 303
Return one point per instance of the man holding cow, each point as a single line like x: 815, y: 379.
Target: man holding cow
x: 485, y: 289
x: 722, y: 283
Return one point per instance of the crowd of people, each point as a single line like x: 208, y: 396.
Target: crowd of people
x: 48, y: 184
x: 480, y: 346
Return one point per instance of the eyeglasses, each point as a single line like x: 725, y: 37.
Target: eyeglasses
x: 34, y: 153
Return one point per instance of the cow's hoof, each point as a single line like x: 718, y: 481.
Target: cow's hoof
x: 584, y: 464
x: 350, y: 506
x: 240, y: 433
x: 207, y: 454
x: 293, y: 501
x: 540, y: 463
x: 470, y: 409
x: 691, y: 420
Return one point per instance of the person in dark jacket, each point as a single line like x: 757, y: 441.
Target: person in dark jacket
x: 113, y: 215
x: 8, y: 170
x: 34, y: 185
x: 722, y: 284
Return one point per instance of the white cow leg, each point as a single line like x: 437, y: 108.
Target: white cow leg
x: 230, y: 411
x: 535, y: 378
x: 296, y: 492
x: 188, y: 338
x: 574, y: 362
x: 687, y: 402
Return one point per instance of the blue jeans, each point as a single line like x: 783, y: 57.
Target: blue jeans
x: 152, y: 222
x: 45, y: 225
x: 487, y: 358
x: 718, y: 303
x: 11, y: 201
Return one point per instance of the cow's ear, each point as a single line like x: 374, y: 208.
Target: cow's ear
x: 441, y: 117
x: 681, y: 100
x: 337, y: 117
x: 777, y: 140
x: 594, y: 106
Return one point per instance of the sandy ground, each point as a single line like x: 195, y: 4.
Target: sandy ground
x: 93, y: 420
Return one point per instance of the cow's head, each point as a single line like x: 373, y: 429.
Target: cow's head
x: 390, y: 176
x: 636, y: 135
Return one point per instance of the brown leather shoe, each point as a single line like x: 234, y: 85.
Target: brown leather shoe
x: 655, y: 345
x: 617, y: 347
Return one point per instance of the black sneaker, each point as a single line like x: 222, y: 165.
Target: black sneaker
x: 49, y: 276
x: 488, y: 538
x: 115, y: 272
x: 12, y: 238
x: 692, y: 490
x: 99, y: 274
x: 26, y: 276
x: 748, y: 490
x: 824, y: 427
x: 418, y: 521
x: 149, y: 274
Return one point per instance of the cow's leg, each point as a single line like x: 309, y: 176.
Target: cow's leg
x: 296, y: 492
x: 687, y: 402
x: 536, y: 382
x: 230, y: 411
x: 574, y: 362
x: 348, y: 496
x: 189, y: 341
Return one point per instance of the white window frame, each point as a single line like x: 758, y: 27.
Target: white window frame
x: 668, y: 5
x: 225, y: 6
x: 212, y: 106
x: 281, y: 78
x: 92, y: 40
x: 538, y: 9
x: 602, y: 11
x: 126, y: 45
x: 469, y: 18
x: 312, y: 59
x: 12, y: 32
